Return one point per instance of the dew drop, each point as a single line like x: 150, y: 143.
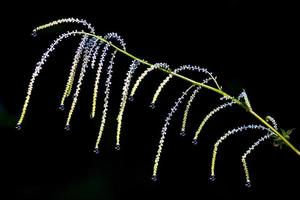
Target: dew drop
x: 152, y: 106
x: 182, y: 133
x: 117, y: 147
x: 248, y: 184
x: 18, y: 127
x: 33, y: 34
x: 154, y: 178
x: 131, y: 98
x: 212, y: 178
x: 61, y: 107
x: 67, y: 127
x: 195, y: 142
x: 96, y: 151
x: 92, y: 116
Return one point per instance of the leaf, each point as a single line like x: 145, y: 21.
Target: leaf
x: 278, y: 142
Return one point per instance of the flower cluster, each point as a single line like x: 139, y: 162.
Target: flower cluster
x: 37, y: 70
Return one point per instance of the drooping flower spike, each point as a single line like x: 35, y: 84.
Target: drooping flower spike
x: 225, y: 136
x: 143, y: 75
x: 78, y: 53
x: 209, y: 115
x: 250, y: 149
x: 124, y: 98
x: 164, y: 130
x: 72, y: 73
x: 38, y: 68
x: 94, y: 57
x: 107, y: 88
x: 177, y: 70
x: 106, y: 100
x: 187, y: 109
x: 46, y: 54
x: 228, y: 104
x: 253, y: 146
x: 63, y: 21
x: 86, y: 58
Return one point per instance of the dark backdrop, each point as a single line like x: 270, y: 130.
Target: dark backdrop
x: 249, y: 45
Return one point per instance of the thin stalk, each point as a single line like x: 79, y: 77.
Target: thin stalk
x: 216, y: 90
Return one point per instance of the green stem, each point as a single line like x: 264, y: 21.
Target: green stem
x: 216, y: 90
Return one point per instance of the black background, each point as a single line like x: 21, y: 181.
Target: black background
x: 251, y: 45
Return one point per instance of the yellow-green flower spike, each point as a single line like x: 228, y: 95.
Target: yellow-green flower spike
x: 91, y: 44
x: 209, y: 115
x: 177, y: 70
x: 188, y: 106
x: 248, y: 152
x: 38, y: 68
x: 70, y: 81
x: 159, y: 89
x: 97, y: 80
x: 144, y: 74
x: 106, y: 98
x: 245, y: 166
x: 213, y: 161
x: 187, y: 109
x: 125, y: 90
x: 65, y: 20
x: 164, y: 131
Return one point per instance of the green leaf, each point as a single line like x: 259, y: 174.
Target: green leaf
x: 278, y: 142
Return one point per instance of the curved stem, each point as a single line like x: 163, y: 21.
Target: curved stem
x: 216, y: 90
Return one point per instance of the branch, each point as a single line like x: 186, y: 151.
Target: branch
x: 216, y: 90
